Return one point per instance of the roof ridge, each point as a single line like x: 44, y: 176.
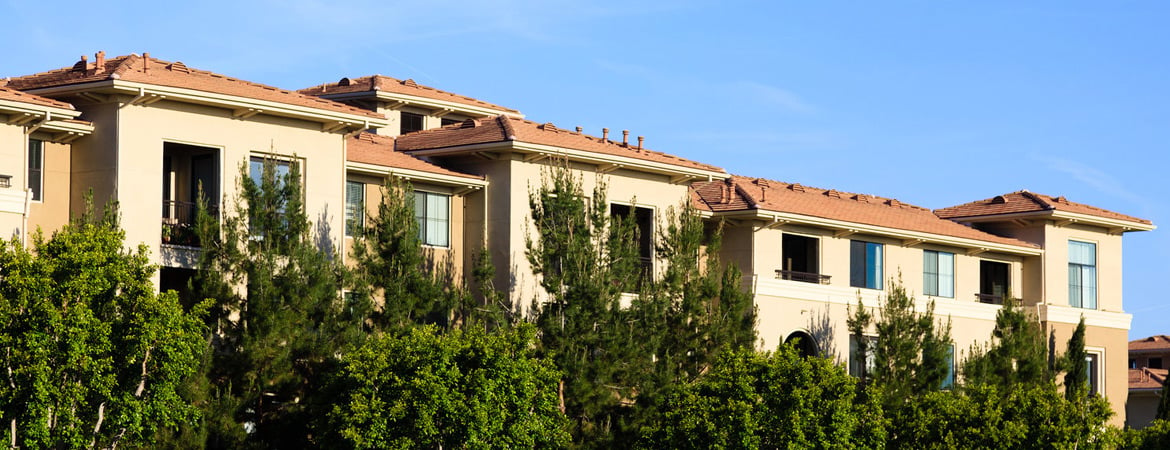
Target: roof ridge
x: 843, y: 195
x: 506, y: 127
x: 1036, y: 198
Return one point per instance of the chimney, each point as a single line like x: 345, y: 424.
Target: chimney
x: 625, y: 138
x: 145, y: 62
x: 605, y: 135
x: 579, y: 130
x: 641, y: 139
x: 99, y: 61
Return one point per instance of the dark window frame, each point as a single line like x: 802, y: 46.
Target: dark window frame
x: 866, y: 265
x: 36, y: 169
x: 355, y: 219
x: 424, y: 216
x: 409, y: 122
x: 932, y: 282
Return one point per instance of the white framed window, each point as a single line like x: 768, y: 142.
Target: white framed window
x: 938, y: 273
x: 282, y: 167
x: 355, y: 207
x: 1094, y: 363
x: 869, y: 360
x: 36, y: 168
x: 433, y: 213
x: 1082, y: 274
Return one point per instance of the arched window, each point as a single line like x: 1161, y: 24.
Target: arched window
x: 804, y: 343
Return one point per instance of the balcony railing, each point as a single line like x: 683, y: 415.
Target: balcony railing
x: 990, y: 299
x: 178, y: 222
x: 5, y: 181
x: 804, y: 277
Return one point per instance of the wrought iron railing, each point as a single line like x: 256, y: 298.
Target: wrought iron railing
x: 990, y: 299
x: 178, y: 222
x: 804, y: 277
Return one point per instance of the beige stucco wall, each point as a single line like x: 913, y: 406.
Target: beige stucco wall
x: 123, y: 159
x: 14, y: 163
x: 52, y: 212
x: 1141, y: 408
x: 1111, y: 344
x: 1109, y: 294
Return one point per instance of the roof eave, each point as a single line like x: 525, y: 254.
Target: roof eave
x: 605, y: 163
x: 424, y: 102
x: 241, y: 106
x: 35, y: 111
x: 909, y: 237
x: 412, y: 174
x: 1115, y: 226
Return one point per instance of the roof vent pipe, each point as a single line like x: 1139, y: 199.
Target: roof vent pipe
x: 579, y: 130
x: 625, y: 138
x: 99, y: 61
x: 641, y: 139
x: 605, y: 135
x: 145, y: 62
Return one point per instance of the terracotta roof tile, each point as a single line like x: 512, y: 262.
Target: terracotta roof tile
x: 1025, y: 202
x: 1147, y: 378
x: 174, y: 74
x: 742, y: 193
x: 506, y: 128
x: 1152, y: 343
x: 406, y: 87
x: 375, y: 149
x: 17, y: 96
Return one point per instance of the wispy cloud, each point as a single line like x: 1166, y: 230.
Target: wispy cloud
x: 1094, y: 178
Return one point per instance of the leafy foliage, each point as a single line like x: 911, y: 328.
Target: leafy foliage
x: 1154, y: 437
x: 770, y: 400
x: 93, y: 357
x: 466, y: 388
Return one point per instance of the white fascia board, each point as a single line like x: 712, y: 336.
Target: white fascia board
x: 12, y: 199
x: 11, y: 107
x: 579, y: 156
x: 68, y: 127
x: 1093, y: 317
x: 231, y: 102
x: 1058, y: 215
x: 436, y: 178
x: 887, y: 231
x: 424, y: 102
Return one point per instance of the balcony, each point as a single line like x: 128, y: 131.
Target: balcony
x: 990, y: 299
x: 178, y: 223
x: 804, y: 277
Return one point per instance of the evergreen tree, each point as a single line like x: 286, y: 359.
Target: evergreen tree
x: 414, y: 287
x: 1076, y: 367
x: 585, y: 262
x: 280, y: 320
x: 858, y: 322
x: 1017, y: 353
x: 1164, y: 402
x: 92, y: 356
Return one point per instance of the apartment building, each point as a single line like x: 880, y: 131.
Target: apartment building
x: 1149, y: 360
x: 151, y: 133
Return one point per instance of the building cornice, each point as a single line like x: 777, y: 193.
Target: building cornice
x: 1093, y: 317
x: 409, y: 174
x: 441, y: 106
x: 1063, y: 218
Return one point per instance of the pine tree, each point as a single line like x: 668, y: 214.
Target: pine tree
x: 911, y: 353
x: 585, y: 262
x: 1017, y: 354
x: 392, y: 265
x: 1164, y: 402
x: 280, y: 320
x: 1076, y: 368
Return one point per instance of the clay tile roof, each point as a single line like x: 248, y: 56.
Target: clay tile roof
x: 1153, y: 343
x: 406, y: 87
x: 1025, y: 202
x: 1147, y: 378
x: 178, y: 75
x: 742, y: 193
x: 17, y: 96
x: 375, y: 149
x: 507, y: 128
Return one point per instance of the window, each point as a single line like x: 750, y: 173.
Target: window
x: 281, y: 168
x: 446, y: 121
x: 355, y: 207
x: 865, y: 265
x: 433, y: 212
x: 644, y: 223
x: 1092, y: 364
x: 1154, y: 363
x: 949, y: 381
x: 938, y: 273
x: 799, y: 255
x: 1082, y: 274
x: 993, y: 282
x: 36, y: 168
x: 856, y: 362
x: 410, y: 122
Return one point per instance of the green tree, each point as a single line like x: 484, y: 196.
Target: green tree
x: 585, y: 261
x: 460, y: 389
x: 1164, y: 402
x: 1076, y: 366
x: 93, y: 357
x: 770, y: 400
x: 280, y: 318
x: 392, y: 265
x: 1154, y: 437
x: 1017, y: 353
x: 910, y: 354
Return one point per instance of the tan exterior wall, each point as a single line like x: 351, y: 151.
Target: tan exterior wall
x: 1141, y: 408
x: 52, y: 212
x: 1110, y: 344
x: 14, y: 163
x: 123, y: 159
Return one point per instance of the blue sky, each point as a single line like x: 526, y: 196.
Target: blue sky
x: 932, y: 102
